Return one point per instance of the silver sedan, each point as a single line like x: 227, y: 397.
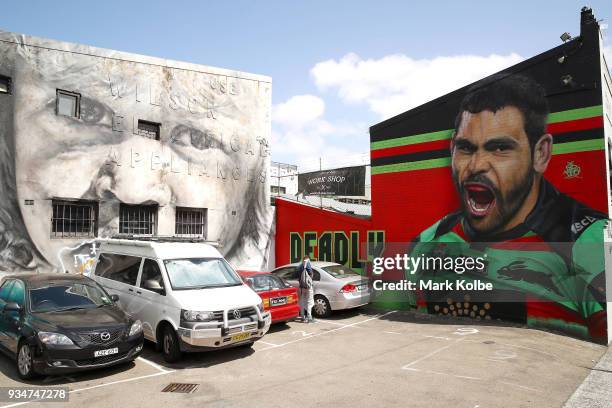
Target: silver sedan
x: 336, y: 286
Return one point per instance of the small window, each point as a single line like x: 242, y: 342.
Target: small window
x: 74, y: 219
x: 138, y: 219
x: 190, y: 221
x: 148, y: 129
x: 5, y: 85
x: 120, y: 268
x: 278, y: 189
x: 68, y: 103
x: 151, y: 272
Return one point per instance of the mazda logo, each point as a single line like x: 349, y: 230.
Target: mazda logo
x: 105, y: 336
x: 236, y: 314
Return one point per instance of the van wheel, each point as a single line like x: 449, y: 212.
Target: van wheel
x: 170, y: 345
x: 321, y: 307
x: 25, y: 361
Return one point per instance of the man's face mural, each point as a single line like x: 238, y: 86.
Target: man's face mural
x: 492, y: 167
x: 212, y: 151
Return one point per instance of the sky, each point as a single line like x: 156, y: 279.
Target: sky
x: 337, y: 67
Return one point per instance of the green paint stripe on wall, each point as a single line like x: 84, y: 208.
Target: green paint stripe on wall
x: 575, y: 114
x: 564, y: 148
x: 556, y: 117
x: 417, y: 165
x: 410, y: 140
x: 581, y: 146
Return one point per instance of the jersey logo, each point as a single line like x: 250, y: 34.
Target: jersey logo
x: 582, y: 224
x: 572, y: 170
x: 518, y: 271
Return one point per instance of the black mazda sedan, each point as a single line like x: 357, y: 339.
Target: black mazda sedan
x: 57, y: 323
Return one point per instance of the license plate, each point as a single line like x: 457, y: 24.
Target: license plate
x: 106, y: 352
x: 278, y: 301
x: 241, y: 336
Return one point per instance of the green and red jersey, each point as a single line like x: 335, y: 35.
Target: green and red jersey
x: 553, y: 262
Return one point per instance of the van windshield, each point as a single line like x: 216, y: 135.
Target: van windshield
x: 200, y: 273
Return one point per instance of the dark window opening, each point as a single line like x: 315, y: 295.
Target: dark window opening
x: 68, y: 103
x: 148, y: 129
x: 278, y: 189
x: 190, y: 221
x: 74, y: 219
x: 138, y: 219
x: 5, y: 85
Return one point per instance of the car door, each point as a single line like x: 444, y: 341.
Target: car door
x: 149, y: 302
x: 324, y: 283
x: 118, y: 274
x: 5, y: 290
x: 14, y: 319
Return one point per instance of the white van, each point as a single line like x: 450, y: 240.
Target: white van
x: 186, y: 295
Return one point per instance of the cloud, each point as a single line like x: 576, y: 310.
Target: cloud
x: 298, y: 111
x: 301, y: 135
x: 395, y: 83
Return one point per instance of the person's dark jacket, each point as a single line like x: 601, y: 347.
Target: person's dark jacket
x: 305, y: 275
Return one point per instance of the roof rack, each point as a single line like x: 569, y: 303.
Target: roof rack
x: 129, y: 238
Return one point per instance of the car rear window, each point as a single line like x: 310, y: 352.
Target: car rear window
x: 262, y: 283
x: 339, y: 271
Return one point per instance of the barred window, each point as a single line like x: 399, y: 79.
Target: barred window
x: 74, y: 219
x: 148, y: 129
x: 190, y: 221
x: 138, y: 219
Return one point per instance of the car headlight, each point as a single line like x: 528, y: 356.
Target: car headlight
x: 261, y: 307
x: 136, y: 328
x: 197, y: 316
x: 54, y: 338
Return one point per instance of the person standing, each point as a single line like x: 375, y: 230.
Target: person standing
x: 306, y: 290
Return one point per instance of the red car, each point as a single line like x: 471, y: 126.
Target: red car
x: 280, y: 298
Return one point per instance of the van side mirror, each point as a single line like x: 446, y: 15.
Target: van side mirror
x: 154, y: 286
x: 114, y: 298
x: 12, y: 307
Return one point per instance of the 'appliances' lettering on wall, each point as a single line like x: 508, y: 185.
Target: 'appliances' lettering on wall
x: 336, y: 247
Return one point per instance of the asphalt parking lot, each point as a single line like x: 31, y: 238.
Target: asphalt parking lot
x: 355, y: 358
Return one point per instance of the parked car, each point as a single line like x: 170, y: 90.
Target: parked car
x: 336, y: 286
x: 278, y: 296
x: 186, y: 295
x: 56, y: 323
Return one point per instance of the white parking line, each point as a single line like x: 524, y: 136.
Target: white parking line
x: 334, y: 323
x: 154, y: 365
x: 326, y: 332
x: 97, y: 386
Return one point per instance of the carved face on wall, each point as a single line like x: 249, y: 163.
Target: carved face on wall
x: 212, y: 150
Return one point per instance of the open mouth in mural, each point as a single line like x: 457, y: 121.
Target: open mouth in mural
x: 480, y: 199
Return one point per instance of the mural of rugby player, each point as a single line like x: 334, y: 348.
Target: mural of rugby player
x: 536, y: 241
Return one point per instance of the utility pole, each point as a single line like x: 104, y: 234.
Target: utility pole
x: 320, y: 195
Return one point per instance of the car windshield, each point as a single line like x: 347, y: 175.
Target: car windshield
x: 67, y: 295
x: 339, y: 271
x: 200, y: 273
x: 262, y: 283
